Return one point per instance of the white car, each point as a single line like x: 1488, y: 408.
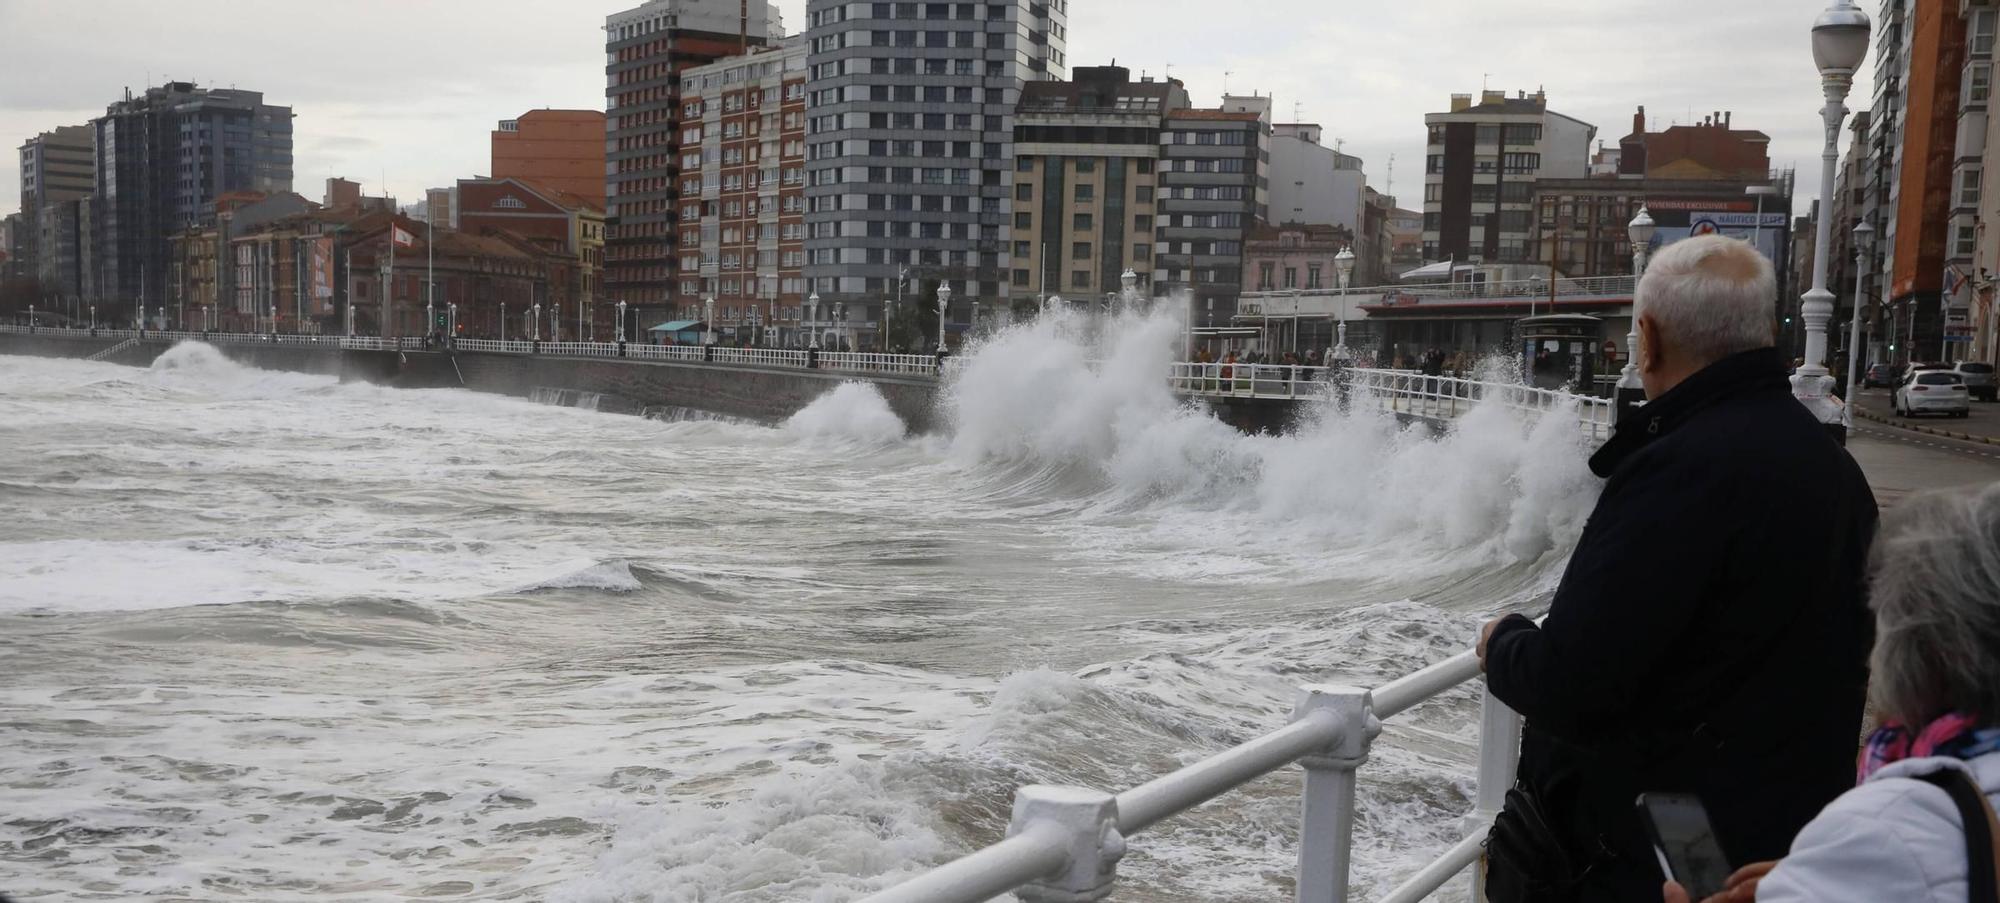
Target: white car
x: 1931, y: 392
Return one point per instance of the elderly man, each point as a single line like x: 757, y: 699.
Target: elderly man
x: 1710, y: 634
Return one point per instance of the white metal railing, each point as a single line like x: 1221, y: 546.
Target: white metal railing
x: 1398, y: 391
x: 1064, y: 843
x: 664, y: 352
x: 762, y: 357
x: 873, y: 362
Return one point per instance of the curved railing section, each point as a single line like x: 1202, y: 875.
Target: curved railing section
x: 1396, y: 391
x: 1064, y: 843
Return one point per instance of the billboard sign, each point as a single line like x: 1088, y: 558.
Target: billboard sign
x: 322, y: 272
x: 1676, y: 226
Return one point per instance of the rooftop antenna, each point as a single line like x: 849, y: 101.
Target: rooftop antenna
x: 1392, y: 175
x: 1296, y: 115
x: 1225, y: 82
x: 1484, y: 78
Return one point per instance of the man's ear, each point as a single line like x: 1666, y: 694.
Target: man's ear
x: 1652, y: 352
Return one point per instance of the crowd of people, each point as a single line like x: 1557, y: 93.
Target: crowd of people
x: 1727, y: 612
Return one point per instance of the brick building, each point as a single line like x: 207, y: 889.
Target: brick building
x: 558, y: 149
x: 555, y: 222
x: 742, y: 226
x: 647, y: 48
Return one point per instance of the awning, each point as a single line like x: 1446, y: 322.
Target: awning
x: 676, y: 326
x: 1440, y: 270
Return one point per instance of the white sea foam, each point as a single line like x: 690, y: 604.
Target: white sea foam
x: 853, y: 410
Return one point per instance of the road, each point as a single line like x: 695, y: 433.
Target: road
x: 1900, y: 461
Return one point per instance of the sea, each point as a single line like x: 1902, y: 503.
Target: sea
x: 271, y: 636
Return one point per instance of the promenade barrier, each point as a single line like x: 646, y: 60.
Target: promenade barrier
x: 1396, y: 391
x: 847, y: 362
x: 1064, y: 843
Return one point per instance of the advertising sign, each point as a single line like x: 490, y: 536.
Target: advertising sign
x: 1694, y: 223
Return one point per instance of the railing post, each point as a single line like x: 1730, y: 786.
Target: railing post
x: 1326, y: 823
x: 1499, y: 756
x: 1088, y: 821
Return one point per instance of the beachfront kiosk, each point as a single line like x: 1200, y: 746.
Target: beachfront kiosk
x: 1560, y: 350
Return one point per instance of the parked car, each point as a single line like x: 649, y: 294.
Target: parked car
x: 1931, y: 365
x: 1881, y: 376
x: 1978, y: 378
x: 1931, y: 392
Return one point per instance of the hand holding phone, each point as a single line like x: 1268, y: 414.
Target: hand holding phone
x: 1685, y: 842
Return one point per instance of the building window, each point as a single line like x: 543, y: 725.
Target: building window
x: 1081, y: 222
x: 1023, y: 220
x: 1312, y: 276
x: 1967, y: 241
x: 1079, y: 279
x: 1086, y: 191
x: 1024, y: 192
x: 1264, y: 273
x: 1079, y: 250
x: 1978, y: 82
x: 1291, y: 277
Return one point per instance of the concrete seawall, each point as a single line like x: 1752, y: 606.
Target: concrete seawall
x: 766, y: 394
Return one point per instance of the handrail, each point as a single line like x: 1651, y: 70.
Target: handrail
x: 1065, y: 842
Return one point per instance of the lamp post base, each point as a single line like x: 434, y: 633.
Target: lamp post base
x: 1815, y: 392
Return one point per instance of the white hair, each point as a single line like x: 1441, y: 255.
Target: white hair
x: 1936, y: 595
x: 1710, y: 297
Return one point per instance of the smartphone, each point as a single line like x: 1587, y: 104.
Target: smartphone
x: 1677, y: 824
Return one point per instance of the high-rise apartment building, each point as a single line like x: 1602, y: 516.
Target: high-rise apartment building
x: 1086, y: 169
x: 56, y: 176
x: 1479, y: 178
x: 909, y: 145
x: 646, y: 50
x: 559, y: 149
x: 1975, y: 93
x: 1214, y: 188
x: 1918, y: 237
x: 743, y: 175
x: 162, y: 159
x: 1313, y: 183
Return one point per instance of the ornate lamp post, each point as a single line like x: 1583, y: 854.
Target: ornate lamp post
x: 1343, y: 269
x: 944, y: 303
x: 535, y: 322
x: 1839, y: 45
x: 621, y: 321
x: 451, y: 326
x: 1632, y: 390
x: 812, y: 321
x: 708, y: 320
x: 1864, y: 242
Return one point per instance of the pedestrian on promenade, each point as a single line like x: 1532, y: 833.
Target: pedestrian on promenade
x: 1933, y: 768
x: 1709, y: 635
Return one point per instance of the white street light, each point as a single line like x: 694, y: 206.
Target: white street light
x: 621, y: 322
x: 708, y: 320
x: 944, y: 303
x: 812, y: 319
x: 1839, y: 45
x: 1864, y: 242
x: 1343, y: 269
x: 1631, y: 389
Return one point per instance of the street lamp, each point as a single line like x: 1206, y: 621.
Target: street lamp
x: 1839, y: 45
x: 944, y: 302
x: 1343, y: 269
x: 1631, y: 389
x: 1864, y: 241
x: 535, y: 322
x: 451, y: 325
x: 708, y: 320
x: 621, y: 322
x: 812, y: 320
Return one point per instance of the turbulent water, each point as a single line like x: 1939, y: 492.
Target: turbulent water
x: 269, y: 636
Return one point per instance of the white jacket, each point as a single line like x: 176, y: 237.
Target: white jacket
x: 1894, y: 838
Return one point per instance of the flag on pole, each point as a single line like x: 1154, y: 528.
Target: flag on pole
x: 1953, y: 280
x: 402, y: 237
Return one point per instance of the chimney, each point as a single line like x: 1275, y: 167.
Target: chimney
x: 1716, y: 119
x: 1726, y: 116
x: 1639, y: 121
x: 1493, y: 97
x: 1461, y: 102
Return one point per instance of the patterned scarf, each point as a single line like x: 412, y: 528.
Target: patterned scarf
x: 1954, y: 735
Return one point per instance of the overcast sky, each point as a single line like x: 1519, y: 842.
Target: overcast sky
x: 407, y: 90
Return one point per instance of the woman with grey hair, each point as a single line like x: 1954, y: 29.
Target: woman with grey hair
x: 1901, y: 834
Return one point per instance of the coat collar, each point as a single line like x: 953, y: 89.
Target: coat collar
x: 1737, y: 374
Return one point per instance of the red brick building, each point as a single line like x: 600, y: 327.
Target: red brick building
x: 647, y: 48
x: 555, y: 222
x: 1708, y: 150
x: 559, y: 149
x: 742, y: 220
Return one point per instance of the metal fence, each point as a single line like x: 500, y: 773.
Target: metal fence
x: 1064, y: 843
x: 1399, y: 391
x: 894, y: 364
